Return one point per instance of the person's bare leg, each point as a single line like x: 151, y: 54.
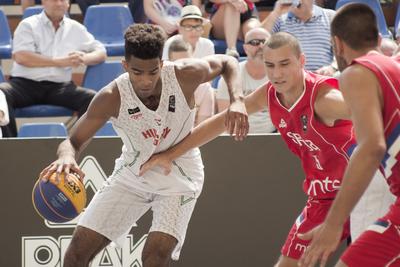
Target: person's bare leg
x: 286, y: 262
x: 158, y: 249
x: 217, y: 22
x: 231, y: 25
x: 27, y: 3
x: 340, y: 264
x: 84, y: 246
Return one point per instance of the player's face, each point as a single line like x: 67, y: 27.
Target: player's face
x: 144, y: 75
x: 284, y: 68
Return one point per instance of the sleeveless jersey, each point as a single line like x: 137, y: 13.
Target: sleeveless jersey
x: 324, y: 151
x: 145, y: 132
x: 387, y: 71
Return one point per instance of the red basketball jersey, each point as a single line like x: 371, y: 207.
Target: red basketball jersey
x: 324, y: 151
x: 387, y: 70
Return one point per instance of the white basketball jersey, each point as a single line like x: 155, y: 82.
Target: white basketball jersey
x: 145, y: 132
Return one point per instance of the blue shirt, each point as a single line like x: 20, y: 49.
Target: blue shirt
x: 314, y: 35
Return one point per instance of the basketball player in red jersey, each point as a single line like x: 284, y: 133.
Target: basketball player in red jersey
x: 371, y: 87
x: 312, y: 117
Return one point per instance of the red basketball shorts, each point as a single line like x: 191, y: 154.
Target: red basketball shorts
x: 312, y: 215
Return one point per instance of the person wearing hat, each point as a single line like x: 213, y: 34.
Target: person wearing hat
x: 166, y: 13
x: 191, y: 28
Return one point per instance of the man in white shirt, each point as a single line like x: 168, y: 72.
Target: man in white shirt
x: 4, y: 119
x: 253, y: 75
x: 45, y: 48
x: 191, y: 27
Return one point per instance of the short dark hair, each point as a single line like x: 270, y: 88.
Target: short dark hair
x: 280, y: 39
x: 178, y: 45
x: 356, y: 25
x: 144, y: 41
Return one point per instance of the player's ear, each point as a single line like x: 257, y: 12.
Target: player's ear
x: 125, y: 65
x: 302, y: 60
x: 338, y: 45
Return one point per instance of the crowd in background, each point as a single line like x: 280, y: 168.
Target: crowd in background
x: 47, y: 46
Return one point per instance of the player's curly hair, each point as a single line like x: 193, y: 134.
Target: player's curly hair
x: 144, y: 41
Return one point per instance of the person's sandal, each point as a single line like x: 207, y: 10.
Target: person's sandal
x: 232, y: 53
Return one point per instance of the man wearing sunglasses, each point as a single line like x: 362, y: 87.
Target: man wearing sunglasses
x: 253, y: 75
x: 191, y: 28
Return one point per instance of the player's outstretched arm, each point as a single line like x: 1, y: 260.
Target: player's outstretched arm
x: 104, y: 105
x: 360, y: 89
x: 192, y: 72
x: 202, y: 134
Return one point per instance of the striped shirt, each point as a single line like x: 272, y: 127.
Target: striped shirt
x: 314, y: 35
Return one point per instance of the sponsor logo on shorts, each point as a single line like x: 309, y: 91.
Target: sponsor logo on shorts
x: 300, y: 247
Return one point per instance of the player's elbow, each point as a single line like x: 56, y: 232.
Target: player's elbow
x: 377, y: 149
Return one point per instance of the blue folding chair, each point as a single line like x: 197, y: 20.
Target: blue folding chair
x: 2, y: 77
x: 397, y: 21
x: 98, y: 76
x: 220, y: 46
x: 7, y: 2
x: 376, y: 7
x: 106, y: 130
x: 43, y: 130
x: 32, y: 10
x: 43, y: 111
x: 5, y: 37
x: 108, y: 23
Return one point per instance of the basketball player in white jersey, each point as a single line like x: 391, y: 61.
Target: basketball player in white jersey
x: 151, y: 107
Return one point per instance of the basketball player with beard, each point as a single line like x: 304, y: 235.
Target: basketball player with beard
x: 371, y: 87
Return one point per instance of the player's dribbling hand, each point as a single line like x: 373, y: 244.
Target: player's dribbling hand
x: 324, y: 241
x: 236, y: 121
x: 160, y: 160
x: 63, y: 164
